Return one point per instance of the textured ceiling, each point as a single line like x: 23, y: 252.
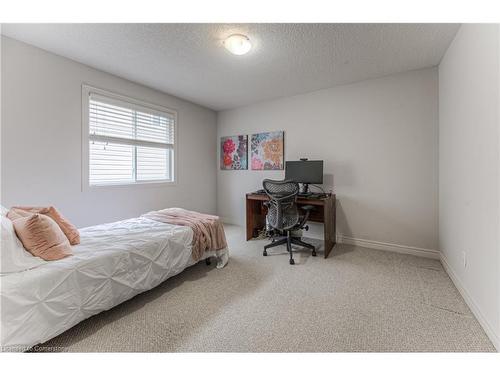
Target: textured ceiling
x: 189, y: 61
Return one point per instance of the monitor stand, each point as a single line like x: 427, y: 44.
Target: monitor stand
x: 304, y: 190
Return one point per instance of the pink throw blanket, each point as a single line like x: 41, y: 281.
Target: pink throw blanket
x: 208, y: 232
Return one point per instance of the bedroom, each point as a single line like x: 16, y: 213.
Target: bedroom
x: 150, y: 155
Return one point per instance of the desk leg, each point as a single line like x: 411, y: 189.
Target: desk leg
x: 329, y: 220
x: 250, y: 219
x: 256, y: 217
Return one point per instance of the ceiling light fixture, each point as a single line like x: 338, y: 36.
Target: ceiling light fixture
x: 237, y: 44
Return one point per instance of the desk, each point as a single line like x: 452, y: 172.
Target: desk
x: 324, y: 212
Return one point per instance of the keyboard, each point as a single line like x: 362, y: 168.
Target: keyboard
x: 311, y: 195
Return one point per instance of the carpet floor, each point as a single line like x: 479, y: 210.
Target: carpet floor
x: 357, y: 300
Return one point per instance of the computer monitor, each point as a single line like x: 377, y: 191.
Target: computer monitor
x: 304, y: 171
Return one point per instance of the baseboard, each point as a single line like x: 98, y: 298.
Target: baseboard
x: 490, y: 332
x: 403, y: 249
x: 229, y: 221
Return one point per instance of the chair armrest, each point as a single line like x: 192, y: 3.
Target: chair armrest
x: 307, y: 208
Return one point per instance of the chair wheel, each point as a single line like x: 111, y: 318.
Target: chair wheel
x: 292, y: 261
x: 264, y: 253
x: 314, y: 253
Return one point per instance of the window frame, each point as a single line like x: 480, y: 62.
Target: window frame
x: 87, y: 90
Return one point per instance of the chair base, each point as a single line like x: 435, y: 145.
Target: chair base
x: 289, y: 240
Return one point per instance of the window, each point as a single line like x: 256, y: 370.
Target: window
x: 128, y: 142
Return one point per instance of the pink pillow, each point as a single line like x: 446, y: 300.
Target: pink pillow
x: 15, y: 214
x: 68, y: 229
x: 42, y: 237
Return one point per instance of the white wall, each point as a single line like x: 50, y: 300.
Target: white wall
x: 378, y: 139
x: 41, y: 141
x: 469, y: 169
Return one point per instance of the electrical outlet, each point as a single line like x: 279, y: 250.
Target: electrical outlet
x: 464, y: 259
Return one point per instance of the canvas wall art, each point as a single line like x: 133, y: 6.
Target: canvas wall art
x: 267, y: 151
x: 233, y: 152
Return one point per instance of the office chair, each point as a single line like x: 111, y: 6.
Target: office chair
x: 283, y: 214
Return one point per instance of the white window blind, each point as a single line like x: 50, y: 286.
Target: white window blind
x: 128, y: 143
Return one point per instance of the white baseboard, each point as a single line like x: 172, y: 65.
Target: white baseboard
x: 490, y: 332
x: 403, y: 249
x: 229, y: 221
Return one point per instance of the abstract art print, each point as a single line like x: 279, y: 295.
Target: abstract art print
x: 233, y: 152
x: 267, y: 151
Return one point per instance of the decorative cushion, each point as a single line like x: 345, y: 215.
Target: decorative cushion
x: 68, y: 229
x: 15, y: 213
x: 42, y: 237
x: 14, y: 258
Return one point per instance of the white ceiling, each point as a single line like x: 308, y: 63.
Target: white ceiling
x: 189, y: 61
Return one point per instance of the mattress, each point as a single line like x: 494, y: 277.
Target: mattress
x: 113, y: 263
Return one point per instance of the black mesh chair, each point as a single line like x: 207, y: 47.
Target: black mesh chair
x: 283, y: 215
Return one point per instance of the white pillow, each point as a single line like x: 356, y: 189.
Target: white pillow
x: 4, y: 211
x: 13, y: 256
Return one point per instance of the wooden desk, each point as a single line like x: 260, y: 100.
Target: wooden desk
x: 324, y: 212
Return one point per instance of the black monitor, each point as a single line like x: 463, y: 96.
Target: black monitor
x: 304, y: 171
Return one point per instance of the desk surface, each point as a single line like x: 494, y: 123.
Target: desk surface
x: 318, y: 201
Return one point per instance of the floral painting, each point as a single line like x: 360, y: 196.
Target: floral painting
x: 233, y: 152
x: 267, y: 151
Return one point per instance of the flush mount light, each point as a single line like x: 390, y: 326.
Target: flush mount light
x: 238, y: 44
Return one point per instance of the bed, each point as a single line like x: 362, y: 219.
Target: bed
x: 113, y: 263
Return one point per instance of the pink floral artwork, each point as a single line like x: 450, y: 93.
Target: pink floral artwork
x: 233, y: 152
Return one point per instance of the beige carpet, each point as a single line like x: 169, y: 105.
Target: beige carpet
x: 356, y: 300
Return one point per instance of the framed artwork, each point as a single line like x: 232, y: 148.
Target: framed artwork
x: 233, y: 152
x: 267, y: 151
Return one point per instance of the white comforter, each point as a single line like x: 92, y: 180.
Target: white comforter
x: 113, y: 263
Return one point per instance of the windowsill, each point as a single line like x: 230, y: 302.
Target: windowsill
x: 132, y: 185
